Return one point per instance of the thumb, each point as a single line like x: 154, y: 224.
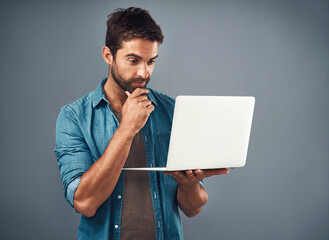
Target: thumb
x: 127, y: 93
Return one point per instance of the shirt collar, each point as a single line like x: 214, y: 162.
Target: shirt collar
x: 99, y: 94
x: 151, y: 97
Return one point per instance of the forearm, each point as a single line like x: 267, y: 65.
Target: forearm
x: 98, y: 183
x: 192, y: 199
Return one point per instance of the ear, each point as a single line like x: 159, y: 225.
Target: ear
x: 107, y: 55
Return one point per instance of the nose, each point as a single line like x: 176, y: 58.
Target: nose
x: 143, y: 71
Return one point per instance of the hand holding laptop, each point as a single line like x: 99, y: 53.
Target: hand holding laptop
x: 191, y: 196
x: 189, y: 179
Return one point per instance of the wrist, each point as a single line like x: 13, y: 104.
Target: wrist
x: 190, y: 188
x: 126, y: 131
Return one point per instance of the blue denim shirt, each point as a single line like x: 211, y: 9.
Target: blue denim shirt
x: 84, y: 129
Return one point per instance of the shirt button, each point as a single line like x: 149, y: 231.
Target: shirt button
x: 116, y: 226
x: 119, y: 197
x: 145, y: 138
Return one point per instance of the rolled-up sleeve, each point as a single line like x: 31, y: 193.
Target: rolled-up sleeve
x: 72, y: 152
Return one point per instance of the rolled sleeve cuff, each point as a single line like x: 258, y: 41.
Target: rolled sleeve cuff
x: 201, y: 183
x: 71, y: 188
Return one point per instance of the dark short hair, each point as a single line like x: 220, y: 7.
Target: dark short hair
x: 126, y: 24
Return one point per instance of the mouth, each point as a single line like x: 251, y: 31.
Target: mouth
x: 139, y: 83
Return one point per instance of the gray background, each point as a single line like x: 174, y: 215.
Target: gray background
x: 274, y: 50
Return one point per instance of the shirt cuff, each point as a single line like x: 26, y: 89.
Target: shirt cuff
x: 71, y: 188
x: 201, y: 183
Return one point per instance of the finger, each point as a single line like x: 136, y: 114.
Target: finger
x: 139, y: 91
x: 171, y: 174
x: 199, y: 174
x: 219, y: 171
x: 142, y: 98
x: 147, y: 103
x: 178, y: 176
x: 127, y: 93
x: 189, y: 175
x: 150, y: 109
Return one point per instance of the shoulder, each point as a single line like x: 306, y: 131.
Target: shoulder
x: 73, y: 116
x: 79, y: 107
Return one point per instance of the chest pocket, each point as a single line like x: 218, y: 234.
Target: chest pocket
x: 163, y: 147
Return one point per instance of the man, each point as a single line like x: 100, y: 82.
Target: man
x: 123, y: 123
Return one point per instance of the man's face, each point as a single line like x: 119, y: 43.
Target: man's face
x: 134, y: 64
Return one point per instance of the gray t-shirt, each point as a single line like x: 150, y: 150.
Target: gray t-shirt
x: 137, y: 217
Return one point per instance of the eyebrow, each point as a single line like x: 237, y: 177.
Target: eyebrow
x: 139, y: 57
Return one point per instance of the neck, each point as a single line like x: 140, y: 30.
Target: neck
x: 114, y: 94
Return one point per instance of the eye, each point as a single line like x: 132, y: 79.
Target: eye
x: 132, y: 60
x: 151, y: 62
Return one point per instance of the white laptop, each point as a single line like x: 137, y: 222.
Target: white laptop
x: 208, y: 132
